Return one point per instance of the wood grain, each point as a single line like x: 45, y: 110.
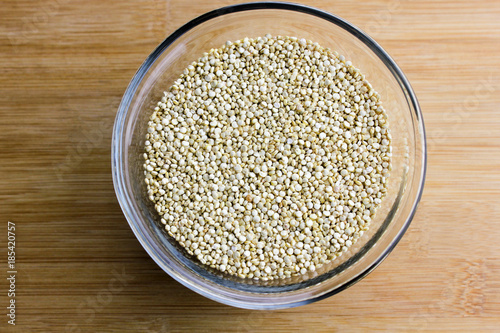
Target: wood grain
x: 64, y: 66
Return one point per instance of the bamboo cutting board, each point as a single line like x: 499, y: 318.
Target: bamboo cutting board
x: 64, y: 66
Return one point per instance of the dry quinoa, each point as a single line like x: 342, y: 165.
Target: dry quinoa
x: 268, y: 157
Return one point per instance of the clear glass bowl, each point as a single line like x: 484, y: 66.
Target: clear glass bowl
x: 211, y: 30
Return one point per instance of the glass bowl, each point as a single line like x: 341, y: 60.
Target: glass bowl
x: 211, y: 30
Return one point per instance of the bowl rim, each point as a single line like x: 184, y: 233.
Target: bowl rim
x: 125, y: 200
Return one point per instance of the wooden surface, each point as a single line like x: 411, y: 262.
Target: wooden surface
x: 64, y: 65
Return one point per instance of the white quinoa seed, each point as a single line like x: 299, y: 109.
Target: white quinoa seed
x: 268, y: 157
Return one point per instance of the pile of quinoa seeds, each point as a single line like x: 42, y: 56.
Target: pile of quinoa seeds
x: 268, y: 157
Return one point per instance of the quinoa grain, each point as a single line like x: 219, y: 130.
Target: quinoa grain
x: 268, y: 157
